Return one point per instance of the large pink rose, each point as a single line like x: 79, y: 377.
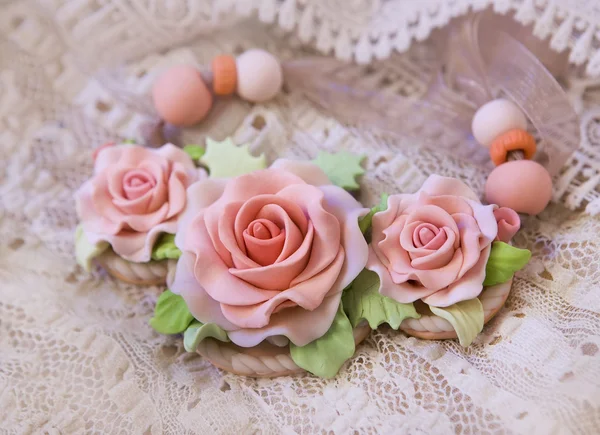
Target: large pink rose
x: 269, y: 253
x: 136, y: 193
x: 434, y: 245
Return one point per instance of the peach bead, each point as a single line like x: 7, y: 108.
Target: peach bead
x: 224, y: 75
x: 512, y: 140
x: 494, y: 118
x: 523, y: 185
x: 181, y: 97
x: 259, y: 77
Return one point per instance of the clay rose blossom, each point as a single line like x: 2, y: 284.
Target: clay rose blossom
x: 136, y: 193
x: 434, y: 244
x: 268, y: 254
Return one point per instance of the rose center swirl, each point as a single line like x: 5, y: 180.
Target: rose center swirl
x: 137, y: 182
x: 264, y: 241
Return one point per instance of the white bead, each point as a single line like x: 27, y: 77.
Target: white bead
x: 494, y: 118
x: 259, y: 76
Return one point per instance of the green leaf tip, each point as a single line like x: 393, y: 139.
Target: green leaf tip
x: 503, y: 262
x: 466, y: 318
x: 165, y: 248
x: 365, y: 222
x: 197, y: 331
x: 341, y: 168
x: 85, y: 251
x: 194, y: 151
x: 362, y: 301
x: 225, y: 159
x: 325, y: 356
x: 171, y: 314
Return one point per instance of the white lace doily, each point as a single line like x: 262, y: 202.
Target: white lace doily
x: 76, y: 352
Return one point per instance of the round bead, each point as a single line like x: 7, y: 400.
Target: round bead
x: 496, y: 117
x: 224, y: 75
x: 512, y: 140
x: 523, y: 185
x: 181, y: 97
x: 259, y: 76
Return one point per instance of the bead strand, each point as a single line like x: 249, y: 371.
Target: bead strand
x: 183, y: 96
x: 517, y: 182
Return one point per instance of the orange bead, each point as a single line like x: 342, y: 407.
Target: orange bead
x: 224, y: 75
x: 512, y: 140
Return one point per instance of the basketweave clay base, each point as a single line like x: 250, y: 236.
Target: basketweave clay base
x: 263, y: 361
x: 432, y: 327
x: 151, y: 273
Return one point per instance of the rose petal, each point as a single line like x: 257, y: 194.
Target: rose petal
x: 327, y: 229
x: 389, y: 251
x: 137, y: 247
x: 92, y: 221
x: 201, y: 305
x: 199, y: 195
x: 307, y: 294
x: 470, y: 241
x: 508, y: 223
x: 176, y: 155
x: 347, y: 210
x: 292, y: 323
x: 484, y: 215
x: 439, y: 258
x: 436, y: 185
x: 281, y: 274
x: 178, y: 182
x: 306, y: 170
x: 214, y: 275
x: 438, y: 278
x: 423, y: 234
x: 264, y: 251
x: 402, y: 292
x: 465, y: 288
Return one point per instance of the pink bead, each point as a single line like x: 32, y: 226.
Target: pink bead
x: 181, y: 97
x: 523, y: 185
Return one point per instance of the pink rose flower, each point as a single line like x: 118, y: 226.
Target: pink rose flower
x: 136, y: 193
x: 434, y: 244
x: 269, y: 253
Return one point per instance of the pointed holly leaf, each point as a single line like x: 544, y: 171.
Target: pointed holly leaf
x: 225, y: 159
x: 342, y: 168
x: 364, y: 222
x: 362, y: 301
x: 194, y: 151
x: 171, y: 314
x: 197, y: 332
x: 466, y: 318
x: 504, y: 261
x: 85, y: 252
x: 165, y: 248
x: 324, y: 356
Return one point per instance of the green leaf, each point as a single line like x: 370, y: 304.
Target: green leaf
x: 129, y: 141
x: 171, y: 314
x: 195, y: 151
x: 364, y: 223
x: 362, y: 301
x: 325, y: 355
x: 225, y: 159
x: 197, y: 332
x: 342, y: 168
x: 504, y: 261
x: 466, y: 318
x: 165, y: 248
x: 85, y: 251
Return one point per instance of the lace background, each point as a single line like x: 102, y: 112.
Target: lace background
x: 76, y: 352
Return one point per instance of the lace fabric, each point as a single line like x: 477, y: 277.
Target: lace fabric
x: 76, y: 352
